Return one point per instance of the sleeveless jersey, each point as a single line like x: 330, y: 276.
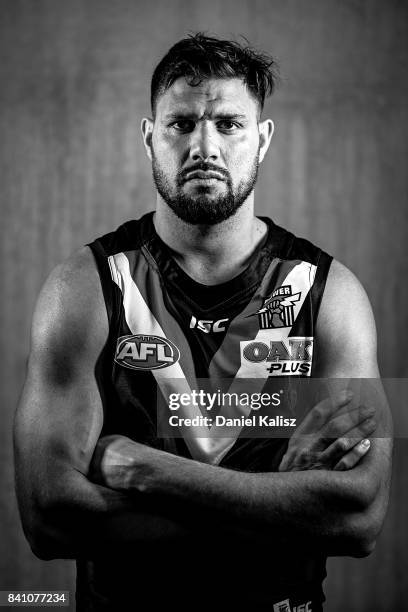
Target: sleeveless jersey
x: 167, y: 333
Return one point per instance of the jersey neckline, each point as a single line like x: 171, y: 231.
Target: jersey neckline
x: 211, y: 297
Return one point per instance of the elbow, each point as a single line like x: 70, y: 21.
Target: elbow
x: 41, y: 531
x: 358, y: 543
x: 43, y: 536
x: 362, y: 531
x: 48, y: 542
x: 360, y: 520
x: 42, y: 551
x: 363, y: 548
x: 362, y: 541
x: 359, y: 525
x: 46, y: 521
x: 40, y: 540
x: 365, y: 525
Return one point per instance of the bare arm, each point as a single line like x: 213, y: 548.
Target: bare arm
x: 347, y: 348
x: 343, y: 510
x: 57, y: 425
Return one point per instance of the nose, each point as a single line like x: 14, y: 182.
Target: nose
x: 204, y: 142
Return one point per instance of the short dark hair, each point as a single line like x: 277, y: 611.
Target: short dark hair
x: 200, y: 57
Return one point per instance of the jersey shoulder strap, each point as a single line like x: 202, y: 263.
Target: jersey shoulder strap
x: 129, y: 236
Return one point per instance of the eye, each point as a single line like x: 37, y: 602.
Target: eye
x: 227, y: 125
x: 183, y: 125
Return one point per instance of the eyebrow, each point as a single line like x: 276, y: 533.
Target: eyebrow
x: 192, y: 115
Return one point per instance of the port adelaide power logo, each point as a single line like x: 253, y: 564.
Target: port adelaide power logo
x: 142, y: 352
x: 278, y: 309
x: 284, y: 356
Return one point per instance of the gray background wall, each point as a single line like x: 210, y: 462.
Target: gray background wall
x: 74, y: 79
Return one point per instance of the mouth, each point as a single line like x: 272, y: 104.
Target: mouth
x: 204, y: 175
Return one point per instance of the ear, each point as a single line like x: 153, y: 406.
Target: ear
x: 266, y: 129
x: 147, y: 133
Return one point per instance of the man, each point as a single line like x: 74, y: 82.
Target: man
x: 202, y: 289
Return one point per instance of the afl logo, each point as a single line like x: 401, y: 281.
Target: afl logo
x: 146, y: 352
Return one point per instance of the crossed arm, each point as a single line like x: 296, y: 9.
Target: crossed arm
x: 76, y: 502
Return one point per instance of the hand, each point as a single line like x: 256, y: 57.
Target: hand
x: 332, y: 436
x: 125, y: 465
x: 112, y: 457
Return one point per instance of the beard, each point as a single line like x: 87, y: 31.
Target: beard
x: 202, y: 208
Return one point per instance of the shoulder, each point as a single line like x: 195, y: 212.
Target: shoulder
x: 70, y: 309
x: 343, y: 295
x: 345, y: 328
x: 79, y: 268
x: 75, y: 282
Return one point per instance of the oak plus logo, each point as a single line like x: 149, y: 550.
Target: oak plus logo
x: 207, y: 325
x: 278, y: 309
x: 288, y: 357
x: 140, y: 352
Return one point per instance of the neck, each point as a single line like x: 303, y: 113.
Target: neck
x: 211, y: 254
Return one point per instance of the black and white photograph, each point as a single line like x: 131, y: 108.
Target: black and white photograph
x: 204, y: 387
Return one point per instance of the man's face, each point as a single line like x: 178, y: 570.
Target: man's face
x: 205, y: 148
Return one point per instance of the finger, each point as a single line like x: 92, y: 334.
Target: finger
x: 343, y: 444
x: 348, y: 461
x: 346, y: 422
x: 322, y: 412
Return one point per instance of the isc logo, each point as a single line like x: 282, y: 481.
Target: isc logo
x: 207, y: 326
x: 146, y: 352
